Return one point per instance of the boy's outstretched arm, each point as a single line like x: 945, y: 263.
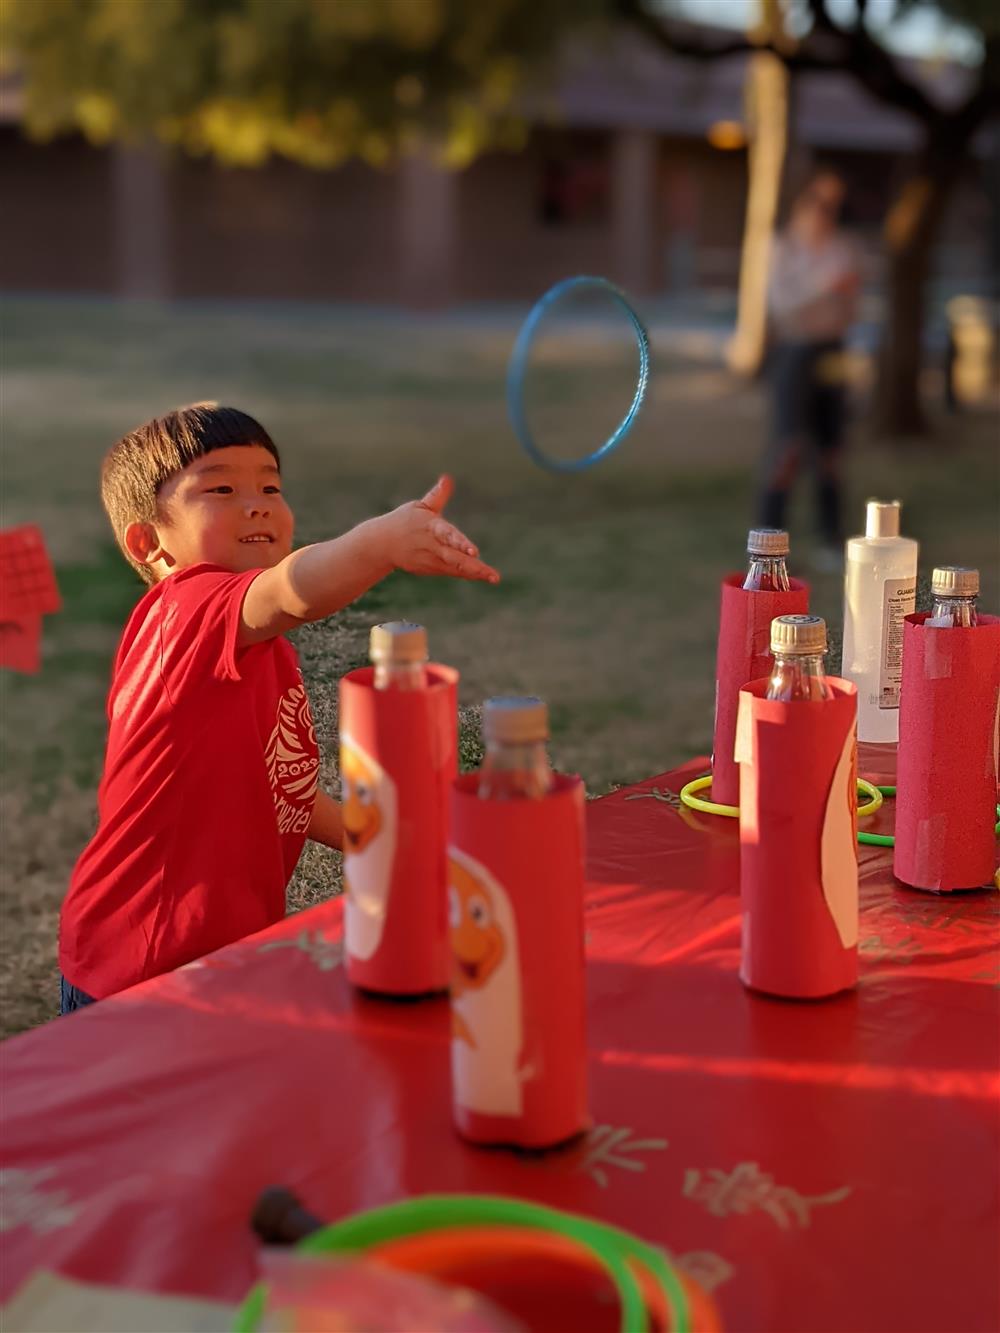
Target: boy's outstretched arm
x: 326, y: 825
x: 318, y: 580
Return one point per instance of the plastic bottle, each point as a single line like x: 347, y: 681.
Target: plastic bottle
x: 799, y: 647
x: 398, y: 650
x: 880, y: 589
x: 955, y: 590
x: 516, y: 764
x: 766, y: 569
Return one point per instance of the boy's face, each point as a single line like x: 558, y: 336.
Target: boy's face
x: 227, y: 509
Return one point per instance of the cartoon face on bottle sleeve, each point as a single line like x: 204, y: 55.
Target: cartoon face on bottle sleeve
x: 486, y: 1003
x: 477, y: 942
x: 362, y: 816
x: 370, y: 814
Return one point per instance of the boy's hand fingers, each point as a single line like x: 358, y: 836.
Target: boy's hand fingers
x: 439, y: 494
x: 450, y: 535
x: 466, y: 567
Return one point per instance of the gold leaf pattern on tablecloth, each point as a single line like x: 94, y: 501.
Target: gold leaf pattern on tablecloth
x: 663, y: 794
x: 22, y: 1203
x: 326, y: 954
x: 747, y: 1189
x: 609, y: 1147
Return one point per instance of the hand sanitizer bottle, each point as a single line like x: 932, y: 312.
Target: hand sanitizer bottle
x: 880, y: 588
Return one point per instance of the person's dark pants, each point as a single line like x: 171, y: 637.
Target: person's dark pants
x: 808, y: 423
x: 71, y: 999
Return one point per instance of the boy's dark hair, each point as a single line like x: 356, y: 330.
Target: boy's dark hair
x: 138, y: 465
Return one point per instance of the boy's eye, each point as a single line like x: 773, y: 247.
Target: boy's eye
x: 220, y: 490
x: 272, y: 490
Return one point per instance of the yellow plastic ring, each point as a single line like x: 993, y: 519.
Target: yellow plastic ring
x: 706, y: 807
x: 875, y: 798
x: 695, y: 802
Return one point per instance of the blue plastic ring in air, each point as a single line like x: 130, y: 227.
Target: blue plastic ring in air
x: 519, y: 364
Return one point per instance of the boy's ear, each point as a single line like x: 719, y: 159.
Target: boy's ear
x: 142, y: 542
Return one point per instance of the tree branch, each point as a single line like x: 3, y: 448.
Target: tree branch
x: 679, y: 39
x: 820, y: 15
x: 828, y: 49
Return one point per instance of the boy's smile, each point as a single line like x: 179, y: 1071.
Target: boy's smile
x: 226, y: 509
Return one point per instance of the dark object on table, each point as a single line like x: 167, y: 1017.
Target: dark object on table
x: 280, y: 1219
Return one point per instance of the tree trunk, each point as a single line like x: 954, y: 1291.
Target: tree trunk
x: 909, y: 234
x: 767, y: 114
x: 767, y: 94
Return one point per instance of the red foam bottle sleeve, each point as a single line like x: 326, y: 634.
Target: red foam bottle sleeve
x: 398, y: 759
x: 744, y: 654
x: 798, y: 848
x: 515, y: 910
x: 946, y: 766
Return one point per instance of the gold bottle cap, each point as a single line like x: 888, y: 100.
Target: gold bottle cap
x: 769, y: 542
x: 955, y: 581
x: 398, y: 641
x: 515, y: 720
x: 798, y: 634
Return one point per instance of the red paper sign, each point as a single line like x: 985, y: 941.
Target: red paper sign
x: 398, y: 758
x: 947, y: 762
x: 21, y: 644
x: 744, y: 654
x: 27, y: 580
x: 515, y: 904
x: 798, y: 849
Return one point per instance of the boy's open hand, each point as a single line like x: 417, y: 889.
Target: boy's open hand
x: 420, y: 541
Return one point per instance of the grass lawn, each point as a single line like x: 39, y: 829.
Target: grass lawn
x: 608, y: 603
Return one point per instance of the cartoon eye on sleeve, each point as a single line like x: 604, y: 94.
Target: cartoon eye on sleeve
x: 362, y: 817
x: 477, y: 942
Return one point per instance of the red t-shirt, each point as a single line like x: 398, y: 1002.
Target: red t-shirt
x: 208, y: 788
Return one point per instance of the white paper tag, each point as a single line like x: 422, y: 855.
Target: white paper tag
x: 899, y: 599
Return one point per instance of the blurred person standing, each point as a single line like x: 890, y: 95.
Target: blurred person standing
x: 812, y: 301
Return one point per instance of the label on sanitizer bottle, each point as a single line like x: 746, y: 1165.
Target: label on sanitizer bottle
x: 899, y: 599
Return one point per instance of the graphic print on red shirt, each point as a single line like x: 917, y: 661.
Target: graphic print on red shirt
x: 208, y: 788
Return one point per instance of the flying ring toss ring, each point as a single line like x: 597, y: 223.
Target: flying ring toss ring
x: 695, y: 802
x: 518, y: 366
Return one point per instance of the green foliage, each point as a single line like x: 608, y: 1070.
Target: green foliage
x: 313, y: 80
x: 317, y: 81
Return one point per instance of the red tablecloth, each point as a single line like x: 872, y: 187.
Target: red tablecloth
x: 828, y: 1166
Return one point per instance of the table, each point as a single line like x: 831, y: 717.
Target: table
x: 819, y: 1166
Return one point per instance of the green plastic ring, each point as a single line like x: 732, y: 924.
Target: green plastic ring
x: 433, y: 1212
x: 888, y: 840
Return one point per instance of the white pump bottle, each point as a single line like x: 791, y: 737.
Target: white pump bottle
x: 880, y: 588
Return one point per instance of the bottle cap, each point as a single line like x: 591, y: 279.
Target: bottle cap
x: 398, y: 641
x: 955, y: 581
x: 798, y: 634
x: 882, y: 518
x: 767, y: 542
x: 514, y: 720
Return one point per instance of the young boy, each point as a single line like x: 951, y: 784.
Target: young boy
x: 209, y: 785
